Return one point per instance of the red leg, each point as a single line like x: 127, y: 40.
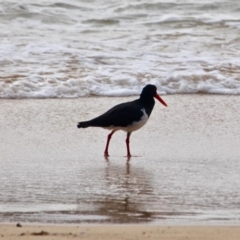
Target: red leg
x: 108, y: 140
x: 127, y: 142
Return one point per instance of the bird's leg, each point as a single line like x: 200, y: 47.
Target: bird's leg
x: 108, y: 140
x: 127, y: 142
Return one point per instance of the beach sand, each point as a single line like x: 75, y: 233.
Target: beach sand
x: 184, y: 149
x: 191, y: 125
x: 119, y: 232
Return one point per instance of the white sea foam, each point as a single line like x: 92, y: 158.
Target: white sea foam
x: 75, y: 49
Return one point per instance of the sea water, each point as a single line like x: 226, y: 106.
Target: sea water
x: 69, y: 49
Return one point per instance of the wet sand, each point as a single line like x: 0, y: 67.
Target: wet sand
x: 120, y: 232
x: 185, y: 168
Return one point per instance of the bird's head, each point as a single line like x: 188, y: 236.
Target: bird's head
x: 150, y: 91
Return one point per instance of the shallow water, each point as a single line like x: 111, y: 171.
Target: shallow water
x: 186, y: 168
x: 145, y: 190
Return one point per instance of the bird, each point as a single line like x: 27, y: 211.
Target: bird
x: 128, y: 116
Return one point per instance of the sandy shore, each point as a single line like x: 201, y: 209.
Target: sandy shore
x: 121, y: 232
x: 186, y: 170
x: 191, y: 125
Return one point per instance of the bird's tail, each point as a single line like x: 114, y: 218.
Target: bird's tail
x: 83, y: 124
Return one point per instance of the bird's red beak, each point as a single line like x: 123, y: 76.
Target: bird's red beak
x: 160, y: 100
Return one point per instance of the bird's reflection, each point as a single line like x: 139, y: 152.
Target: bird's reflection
x: 127, y: 192
x: 127, y: 167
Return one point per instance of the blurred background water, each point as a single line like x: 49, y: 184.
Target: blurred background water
x: 75, y: 48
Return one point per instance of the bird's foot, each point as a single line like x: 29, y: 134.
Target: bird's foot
x: 106, y: 154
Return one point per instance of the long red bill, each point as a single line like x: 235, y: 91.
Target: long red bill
x: 160, y: 100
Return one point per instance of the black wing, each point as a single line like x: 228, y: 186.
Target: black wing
x: 121, y: 115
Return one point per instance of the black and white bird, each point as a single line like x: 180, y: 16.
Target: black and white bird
x: 128, y: 117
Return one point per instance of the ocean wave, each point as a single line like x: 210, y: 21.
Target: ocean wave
x: 104, y: 48
x: 21, y: 86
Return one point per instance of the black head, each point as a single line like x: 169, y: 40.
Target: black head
x: 149, y: 92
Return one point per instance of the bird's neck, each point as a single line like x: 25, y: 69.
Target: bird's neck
x: 148, y: 105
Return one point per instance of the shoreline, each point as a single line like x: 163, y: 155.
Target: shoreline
x: 196, y: 137
x: 134, y: 232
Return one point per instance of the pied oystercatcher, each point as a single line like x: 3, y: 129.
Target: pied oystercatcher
x: 129, y: 116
